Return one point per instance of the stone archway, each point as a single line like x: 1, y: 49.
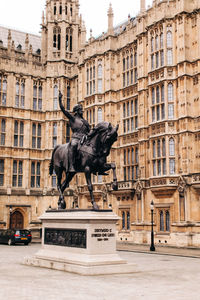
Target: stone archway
x: 17, y: 220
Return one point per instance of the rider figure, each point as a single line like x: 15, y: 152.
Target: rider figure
x: 80, y: 128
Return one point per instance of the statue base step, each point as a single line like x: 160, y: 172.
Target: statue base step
x: 80, y: 241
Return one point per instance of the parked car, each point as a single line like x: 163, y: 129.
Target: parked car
x: 14, y: 236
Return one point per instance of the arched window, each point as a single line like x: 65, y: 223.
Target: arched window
x: 170, y: 92
x: 69, y: 40
x: 163, y: 147
x: 131, y: 60
x: 17, y: 95
x: 22, y: 94
x: 156, y: 42
x: 57, y: 38
x: 161, y: 40
x: 128, y: 219
x: 162, y: 93
x: 158, y: 148
x: 60, y: 9
x: 167, y: 220
x: 161, y: 221
x: 171, y: 147
x: 100, y: 115
x: 3, y: 132
x: 157, y: 94
x: 55, y: 97
x: 135, y: 59
x: 68, y: 97
x: 127, y: 60
x: 153, y: 95
x: 54, y: 9
x: 154, y: 149
x: 100, y: 78
x: 123, y: 220
x: 4, y: 91
x: 100, y: 70
x: 124, y: 64
x: 169, y: 39
x: 152, y: 44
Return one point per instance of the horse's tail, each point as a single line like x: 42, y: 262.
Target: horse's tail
x: 51, y: 166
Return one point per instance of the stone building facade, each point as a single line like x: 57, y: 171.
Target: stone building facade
x: 142, y: 75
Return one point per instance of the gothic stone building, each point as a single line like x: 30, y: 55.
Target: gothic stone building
x: 142, y: 75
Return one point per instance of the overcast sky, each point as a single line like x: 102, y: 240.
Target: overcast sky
x: 26, y: 15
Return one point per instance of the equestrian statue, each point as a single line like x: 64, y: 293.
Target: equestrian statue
x: 86, y: 152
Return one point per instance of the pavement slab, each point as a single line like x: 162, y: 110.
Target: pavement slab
x: 156, y: 276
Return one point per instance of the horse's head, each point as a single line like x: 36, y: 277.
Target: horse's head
x: 108, y: 135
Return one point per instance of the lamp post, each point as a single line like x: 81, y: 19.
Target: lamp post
x: 10, y: 210
x: 152, y: 247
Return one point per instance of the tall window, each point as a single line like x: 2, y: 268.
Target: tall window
x: 100, y: 76
x: 3, y: 131
x: 164, y: 222
x: 157, y: 53
x: 170, y: 93
x: 1, y: 172
x: 17, y: 173
x: 99, y: 115
x: 159, y: 157
x: 130, y: 115
x: 55, y: 97
x: 36, y: 136
x: 20, y: 93
x: 57, y: 38
x: 131, y: 163
x: 37, y: 96
x: 18, y: 134
x: 3, y: 90
x: 35, y: 174
x: 171, y: 156
x: 125, y: 219
x: 90, y: 79
x: 69, y: 40
x: 129, y: 73
x: 54, y: 135
x: 169, y: 46
x: 68, y: 97
x: 158, y: 105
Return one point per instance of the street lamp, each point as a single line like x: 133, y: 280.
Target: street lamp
x: 152, y: 247
x: 10, y: 216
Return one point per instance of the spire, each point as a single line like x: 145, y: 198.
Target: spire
x: 110, y: 20
x: 142, y: 6
x: 9, y: 39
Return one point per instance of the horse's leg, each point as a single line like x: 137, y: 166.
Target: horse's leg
x: 67, y: 180
x: 61, y: 200
x: 112, y: 166
x: 90, y: 187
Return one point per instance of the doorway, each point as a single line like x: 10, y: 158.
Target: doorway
x: 17, y: 220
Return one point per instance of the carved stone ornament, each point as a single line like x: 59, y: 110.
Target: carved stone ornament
x: 138, y: 189
x: 181, y: 184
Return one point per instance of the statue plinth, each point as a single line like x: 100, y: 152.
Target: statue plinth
x: 80, y: 241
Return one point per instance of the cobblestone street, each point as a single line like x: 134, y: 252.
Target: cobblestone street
x: 156, y: 276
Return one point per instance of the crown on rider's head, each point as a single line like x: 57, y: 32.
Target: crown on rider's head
x: 77, y: 107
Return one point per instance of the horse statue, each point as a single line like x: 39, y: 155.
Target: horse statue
x: 90, y: 159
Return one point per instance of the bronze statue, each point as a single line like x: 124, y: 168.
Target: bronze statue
x: 80, y: 128
x: 88, y: 155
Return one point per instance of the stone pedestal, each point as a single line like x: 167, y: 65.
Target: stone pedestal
x: 80, y: 241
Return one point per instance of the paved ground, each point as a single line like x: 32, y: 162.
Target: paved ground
x: 156, y: 277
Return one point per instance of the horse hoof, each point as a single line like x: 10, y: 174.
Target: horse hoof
x: 95, y: 206
x: 63, y: 204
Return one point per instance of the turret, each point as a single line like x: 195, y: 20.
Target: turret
x: 142, y: 6
x: 110, y: 20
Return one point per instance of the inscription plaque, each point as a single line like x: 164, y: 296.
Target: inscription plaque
x: 65, y: 237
